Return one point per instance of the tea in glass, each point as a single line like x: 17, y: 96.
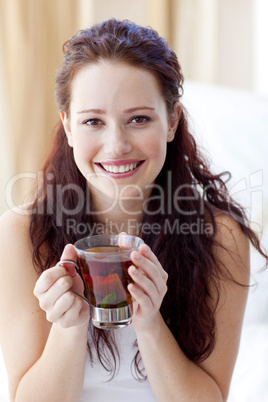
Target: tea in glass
x: 104, y: 261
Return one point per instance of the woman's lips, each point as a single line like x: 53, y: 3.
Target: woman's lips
x: 120, y: 168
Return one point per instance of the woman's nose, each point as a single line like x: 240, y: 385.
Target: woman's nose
x: 116, y: 142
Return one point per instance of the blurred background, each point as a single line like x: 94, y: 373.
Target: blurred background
x: 222, y: 48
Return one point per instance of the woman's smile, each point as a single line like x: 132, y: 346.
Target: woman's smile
x: 120, y: 169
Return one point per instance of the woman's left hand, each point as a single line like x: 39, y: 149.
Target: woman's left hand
x: 149, y: 287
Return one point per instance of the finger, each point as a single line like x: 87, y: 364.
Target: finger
x: 69, y: 260
x: 142, y: 281
x: 60, y: 307
x: 48, y: 299
x: 152, y: 288
x: 48, y: 278
x: 145, y: 251
x: 144, y: 264
x: 147, y: 269
x: 68, y: 311
x: 124, y: 241
x: 69, y: 253
x: 76, y: 314
x: 140, y: 297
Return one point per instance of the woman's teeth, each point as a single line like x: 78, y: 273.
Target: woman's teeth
x: 119, y: 169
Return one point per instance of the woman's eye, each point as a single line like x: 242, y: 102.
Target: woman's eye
x: 140, y: 119
x: 92, y: 122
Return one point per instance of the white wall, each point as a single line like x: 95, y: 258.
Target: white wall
x: 261, y: 46
x: 223, y: 42
x: 5, y: 148
x: 236, y: 43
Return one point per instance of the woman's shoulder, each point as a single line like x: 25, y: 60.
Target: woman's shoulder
x: 15, y: 221
x: 229, y: 227
x: 227, y: 224
x: 14, y: 233
x: 232, y: 245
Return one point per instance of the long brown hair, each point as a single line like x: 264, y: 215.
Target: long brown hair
x: 187, y: 257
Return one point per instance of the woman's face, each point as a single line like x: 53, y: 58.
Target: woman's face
x: 119, y: 127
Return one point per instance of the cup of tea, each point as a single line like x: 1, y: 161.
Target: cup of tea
x: 103, y: 261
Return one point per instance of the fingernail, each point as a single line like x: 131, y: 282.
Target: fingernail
x: 145, y: 248
x: 133, y: 269
x: 137, y: 256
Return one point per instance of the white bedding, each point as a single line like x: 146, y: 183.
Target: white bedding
x: 233, y: 126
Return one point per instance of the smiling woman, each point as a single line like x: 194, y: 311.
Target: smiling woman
x: 116, y: 136
x: 123, y: 159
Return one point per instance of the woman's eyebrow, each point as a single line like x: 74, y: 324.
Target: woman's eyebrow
x: 98, y: 111
x: 134, y: 109
x: 130, y: 110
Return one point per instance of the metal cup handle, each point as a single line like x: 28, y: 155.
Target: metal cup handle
x: 78, y: 271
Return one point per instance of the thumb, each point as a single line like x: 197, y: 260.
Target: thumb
x: 69, y: 254
x: 123, y: 240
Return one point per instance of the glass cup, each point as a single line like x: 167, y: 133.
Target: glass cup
x: 104, y: 261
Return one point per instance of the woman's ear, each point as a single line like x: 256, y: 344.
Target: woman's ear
x: 67, y: 128
x: 174, y: 119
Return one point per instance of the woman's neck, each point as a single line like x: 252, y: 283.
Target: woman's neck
x: 119, y: 215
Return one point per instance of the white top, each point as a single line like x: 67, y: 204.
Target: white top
x: 123, y: 387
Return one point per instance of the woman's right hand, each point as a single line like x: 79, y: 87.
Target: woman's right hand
x: 53, y: 292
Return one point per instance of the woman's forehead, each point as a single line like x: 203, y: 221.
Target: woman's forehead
x: 115, y: 82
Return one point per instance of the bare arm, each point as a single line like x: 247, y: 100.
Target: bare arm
x: 44, y: 361
x: 171, y: 374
